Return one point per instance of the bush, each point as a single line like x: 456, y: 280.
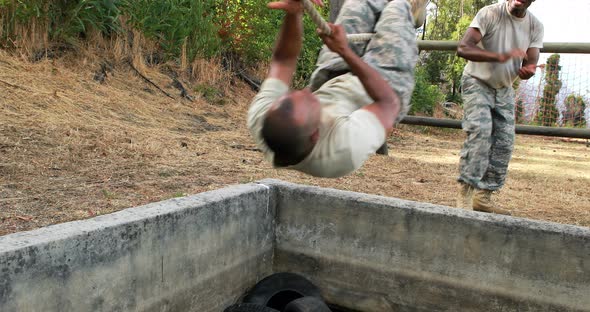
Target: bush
x: 80, y: 17
x: 254, y: 29
x: 173, y: 23
x: 426, y: 95
x: 574, y: 111
x: 61, y: 20
x: 202, y: 28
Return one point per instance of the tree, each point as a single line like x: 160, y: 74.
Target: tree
x: 426, y: 95
x: 447, y: 13
x: 573, y: 113
x: 548, y: 113
x: 454, y: 69
x: 519, y: 108
x: 448, y: 21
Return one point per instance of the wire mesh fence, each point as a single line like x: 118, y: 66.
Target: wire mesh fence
x: 558, y: 95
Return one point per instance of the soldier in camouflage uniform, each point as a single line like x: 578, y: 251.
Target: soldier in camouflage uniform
x: 393, y: 52
x: 502, y: 43
x: 357, y: 92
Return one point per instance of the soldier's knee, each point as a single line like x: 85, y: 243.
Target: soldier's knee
x: 478, y: 128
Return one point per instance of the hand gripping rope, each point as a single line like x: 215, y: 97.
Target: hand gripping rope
x: 323, y: 25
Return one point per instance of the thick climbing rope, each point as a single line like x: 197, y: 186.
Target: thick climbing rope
x: 323, y: 25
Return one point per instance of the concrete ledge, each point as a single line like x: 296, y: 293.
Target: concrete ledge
x: 367, y: 253
x: 197, y: 253
x: 372, y: 253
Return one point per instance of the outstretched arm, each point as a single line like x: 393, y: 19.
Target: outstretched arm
x: 469, y: 50
x: 386, y: 106
x: 288, y: 45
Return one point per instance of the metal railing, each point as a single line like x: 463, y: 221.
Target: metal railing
x: 549, y: 47
x: 520, y: 129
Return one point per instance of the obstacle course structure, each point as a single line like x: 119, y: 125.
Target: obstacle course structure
x: 366, y: 253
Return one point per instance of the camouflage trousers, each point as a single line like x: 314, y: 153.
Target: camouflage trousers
x: 489, y: 123
x: 392, y: 51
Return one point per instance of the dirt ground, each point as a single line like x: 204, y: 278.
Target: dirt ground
x: 73, y: 148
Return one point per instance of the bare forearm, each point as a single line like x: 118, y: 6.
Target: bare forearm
x: 532, y: 57
x: 477, y: 54
x: 377, y: 88
x: 290, y: 38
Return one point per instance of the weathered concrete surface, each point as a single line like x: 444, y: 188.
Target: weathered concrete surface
x: 368, y: 253
x: 197, y: 253
x: 372, y: 253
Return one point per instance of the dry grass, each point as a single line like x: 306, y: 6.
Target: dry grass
x: 71, y: 148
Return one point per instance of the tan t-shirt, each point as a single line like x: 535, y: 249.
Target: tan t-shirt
x: 502, y: 32
x: 348, y: 135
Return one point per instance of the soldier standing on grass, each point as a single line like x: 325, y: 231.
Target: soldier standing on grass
x: 357, y: 91
x: 501, y: 44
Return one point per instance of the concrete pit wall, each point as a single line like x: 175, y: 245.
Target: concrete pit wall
x: 366, y: 253
x: 198, y: 253
x: 371, y: 253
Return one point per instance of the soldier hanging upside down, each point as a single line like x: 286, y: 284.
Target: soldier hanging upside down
x: 356, y: 93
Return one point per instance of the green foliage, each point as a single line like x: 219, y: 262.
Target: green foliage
x: 449, y: 21
x: 245, y: 29
x: 21, y: 11
x: 178, y: 195
x: 248, y: 28
x: 211, y: 94
x: 519, y: 108
x: 312, y: 44
x: 63, y: 20
x: 426, y: 95
x: 453, y: 69
x: 573, y: 114
x: 447, y: 15
x: 171, y: 23
x: 454, y: 97
x: 434, y: 64
x: 85, y: 15
x: 255, y: 39
x: 548, y: 114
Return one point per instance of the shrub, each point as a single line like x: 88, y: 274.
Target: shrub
x: 426, y: 95
x: 193, y: 28
x: 250, y: 29
x: 173, y: 23
x: 58, y: 20
x: 574, y: 110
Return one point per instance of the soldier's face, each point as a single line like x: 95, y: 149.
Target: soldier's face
x: 520, y: 5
